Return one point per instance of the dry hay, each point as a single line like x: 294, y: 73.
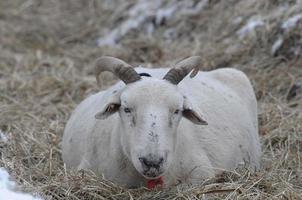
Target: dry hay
x: 46, y: 51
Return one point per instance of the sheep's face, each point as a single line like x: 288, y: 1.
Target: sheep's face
x: 150, y: 111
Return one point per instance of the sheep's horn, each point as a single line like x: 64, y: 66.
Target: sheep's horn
x: 182, y: 69
x: 119, y: 68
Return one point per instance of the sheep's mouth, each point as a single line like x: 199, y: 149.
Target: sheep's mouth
x: 152, y: 174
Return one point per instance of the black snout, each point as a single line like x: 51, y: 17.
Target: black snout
x: 151, y: 162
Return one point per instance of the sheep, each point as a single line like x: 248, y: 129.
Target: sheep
x: 164, y: 125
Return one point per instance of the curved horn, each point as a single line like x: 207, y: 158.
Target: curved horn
x: 182, y: 69
x: 119, y: 68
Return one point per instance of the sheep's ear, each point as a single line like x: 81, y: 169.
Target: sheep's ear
x: 192, y: 114
x: 111, y: 105
x: 109, y: 110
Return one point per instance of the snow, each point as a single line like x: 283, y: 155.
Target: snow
x: 3, y: 137
x: 190, y: 9
x: 291, y: 22
x: 287, y: 25
x: 276, y: 46
x: 250, y: 26
x: 140, y: 15
x: 163, y: 14
x: 7, y: 188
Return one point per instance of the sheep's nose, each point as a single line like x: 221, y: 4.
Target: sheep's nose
x: 149, y: 163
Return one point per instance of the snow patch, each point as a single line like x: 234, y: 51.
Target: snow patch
x: 3, y: 137
x: 163, y: 14
x: 250, y: 26
x: 147, y: 15
x: 276, y: 46
x: 189, y: 8
x: 291, y: 22
x: 7, y: 188
x: 138, y: 14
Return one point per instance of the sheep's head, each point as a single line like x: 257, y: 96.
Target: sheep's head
x: 150, y: 110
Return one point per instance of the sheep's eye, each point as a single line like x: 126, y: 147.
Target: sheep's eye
x: 176, y: 112
x: 127, y: 110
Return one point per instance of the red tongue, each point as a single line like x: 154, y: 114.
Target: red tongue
x: 155, y: 183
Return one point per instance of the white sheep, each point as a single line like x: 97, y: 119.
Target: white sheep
x: 178, y: 128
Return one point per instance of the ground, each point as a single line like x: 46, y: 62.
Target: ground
x: 47, y: 49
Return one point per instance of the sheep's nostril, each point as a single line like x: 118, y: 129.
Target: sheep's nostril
x: 149, y: 163
x: 161, y: 160
x: 143, y: 161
